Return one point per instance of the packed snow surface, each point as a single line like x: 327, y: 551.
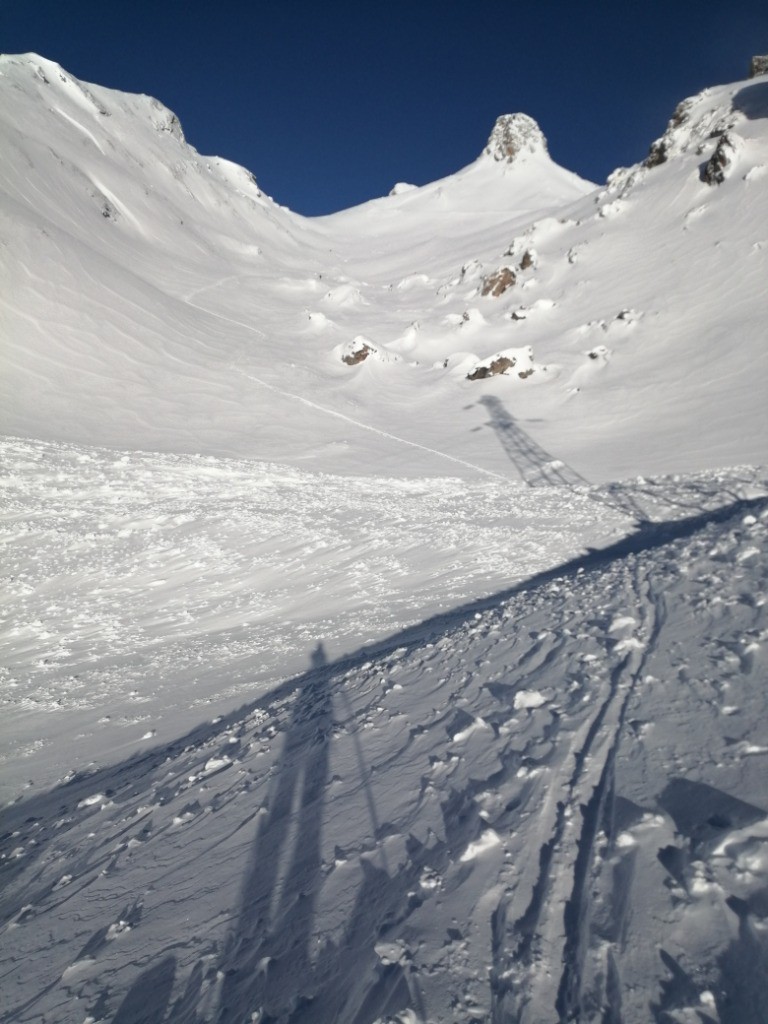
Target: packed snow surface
x: 384, y: 625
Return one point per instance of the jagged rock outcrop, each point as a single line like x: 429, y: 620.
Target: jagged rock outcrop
x: 165, y: 120
x: 497, y: 283
x: 716, y: 169
x: 657, y: 154
x: 695, y: 126
x: 357, y: 354
x: 518, y: 359
x: 758, y: 66
x: 659, y: 151
x: 499, y: 365
x: 513, y: 135
x: 361, y: 348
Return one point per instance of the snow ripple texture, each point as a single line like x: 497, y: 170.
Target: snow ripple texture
x: 546, y: 804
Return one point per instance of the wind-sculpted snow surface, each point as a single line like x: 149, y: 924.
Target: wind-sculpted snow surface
x: 549, y: 805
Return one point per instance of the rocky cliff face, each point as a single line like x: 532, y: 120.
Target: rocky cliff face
x: 514, y: 135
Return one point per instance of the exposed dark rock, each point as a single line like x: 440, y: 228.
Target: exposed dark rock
x: 527, y: 260
x: 498, y: 282
x: 166, y: 121
x: 499, y: 365
x: 514, y: 134
x: 358, y: 356
x: 715, y: 170
x: 758, y: 66
x: 660, y: 149
x: 657, y: 154
x: 680, y: 114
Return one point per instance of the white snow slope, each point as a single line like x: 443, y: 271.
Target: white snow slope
x: 338, y: 686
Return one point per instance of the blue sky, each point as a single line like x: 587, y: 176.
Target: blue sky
x: 329, y: 104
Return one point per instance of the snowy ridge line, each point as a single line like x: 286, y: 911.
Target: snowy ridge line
x: 332, y: 412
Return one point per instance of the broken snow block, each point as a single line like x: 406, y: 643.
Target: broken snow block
x: 498, y: 282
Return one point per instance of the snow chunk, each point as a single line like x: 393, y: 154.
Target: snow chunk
x: 630, y: 643
x: 487, y: 841
x: 344, y: 295
x: 622, y: 622
x: 392, y: 952
x: 91, y: 801
x: 477, y: 725
x: 528, y: 699
x: 413, y: 281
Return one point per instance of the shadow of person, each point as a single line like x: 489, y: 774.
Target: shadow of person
x: 267, y: 963
x: 319, y: 658
x: 147, y: 999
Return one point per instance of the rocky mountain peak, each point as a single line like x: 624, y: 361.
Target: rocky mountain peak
x: 513, y: 135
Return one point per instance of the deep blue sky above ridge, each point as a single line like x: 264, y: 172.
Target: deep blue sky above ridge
x: 331, y: 104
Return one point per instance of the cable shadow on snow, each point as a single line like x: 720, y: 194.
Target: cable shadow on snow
x: 539, y: 468
x: 267, y: 950
x: 536, y: 466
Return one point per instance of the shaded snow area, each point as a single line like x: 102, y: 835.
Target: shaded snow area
x: 547, y: 804
x: 383, y: 635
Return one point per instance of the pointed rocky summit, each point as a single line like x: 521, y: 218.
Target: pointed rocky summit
x: 514, y: 134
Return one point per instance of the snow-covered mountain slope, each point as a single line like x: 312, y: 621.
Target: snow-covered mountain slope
x: 158, y: 300
x: 477, y: 453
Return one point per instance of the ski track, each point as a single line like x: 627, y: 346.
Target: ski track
x: 333, y: 412
x: 374, y: 430
x: 398, y: 795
